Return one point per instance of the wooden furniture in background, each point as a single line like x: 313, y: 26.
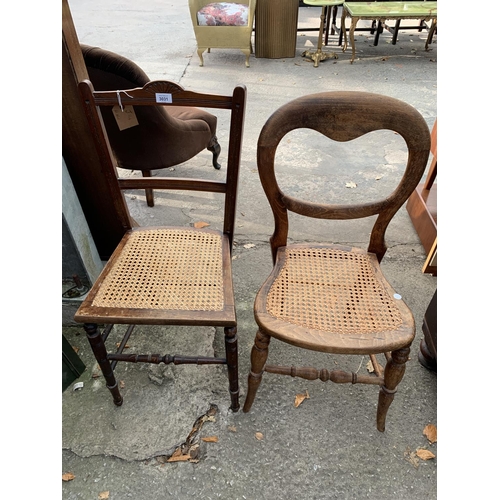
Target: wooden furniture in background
x: 326, y: 297
x: 380, y: 11
x: 165, y: 275
x: 427, y: 355
x: 422, y: 208
x: 103, y: 204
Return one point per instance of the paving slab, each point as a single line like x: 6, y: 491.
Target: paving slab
x: 328, y: 447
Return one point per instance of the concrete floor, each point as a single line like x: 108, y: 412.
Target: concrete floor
x: 328, y: 447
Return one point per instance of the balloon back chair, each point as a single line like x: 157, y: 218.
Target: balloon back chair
x: 223, y: 25
x: 157, y: 137
x: 165, y: 275
x: 327, y: 297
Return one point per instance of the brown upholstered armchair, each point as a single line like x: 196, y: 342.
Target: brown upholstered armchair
x: 164, y: 136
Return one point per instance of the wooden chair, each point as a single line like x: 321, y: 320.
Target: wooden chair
x: 326, y: 297
x: 422, y: 208
x: 160, y: 137
x: 223, y: 29
x: 165, y: 275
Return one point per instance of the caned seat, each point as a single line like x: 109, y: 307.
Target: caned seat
x: 160, y: 273
x: 324, y: 296
x: 336, y: 298
x: 166, y: 275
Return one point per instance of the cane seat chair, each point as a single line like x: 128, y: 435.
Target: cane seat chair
x: 223, y: 25
x: 160, y: 137
x: 165, y: 275
x: 327, y: 297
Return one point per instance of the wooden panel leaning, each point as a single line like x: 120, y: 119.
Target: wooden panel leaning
x: 327, y: 297
x: 166, y: 275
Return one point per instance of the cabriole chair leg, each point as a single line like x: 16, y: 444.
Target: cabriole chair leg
x: 215, y: 149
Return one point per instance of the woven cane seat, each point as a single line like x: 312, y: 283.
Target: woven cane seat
x: 329, y: 298
x: 164, y: 271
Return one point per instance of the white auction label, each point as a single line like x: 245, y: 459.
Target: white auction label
x: 165, y: 98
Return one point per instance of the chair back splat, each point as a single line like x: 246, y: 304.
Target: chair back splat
x: 327, y: 297
x: 165, y: 275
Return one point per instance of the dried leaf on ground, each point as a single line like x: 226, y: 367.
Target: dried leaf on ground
x: 103, y: 495
x: 122, y: 384
x: 350, y: 185
x: 424, y: 454
x: 299, y: 398
x: 232, y: 428
x: 259, y: 436
x: 369, y: 366
x: 430, y: 432
x: 201, y: 224
x: 68, y: 476
x: 210, y: 439
x: 179, y: 458
x: 248, y: 245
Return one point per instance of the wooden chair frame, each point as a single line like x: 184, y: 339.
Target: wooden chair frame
x: 163, y: 93
x: 340, y: 116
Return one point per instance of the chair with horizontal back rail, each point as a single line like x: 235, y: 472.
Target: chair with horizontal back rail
x: 327, y: 297
x: 159, y: 137
x: 165, y: 275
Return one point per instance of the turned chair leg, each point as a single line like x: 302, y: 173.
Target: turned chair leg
x: 101, y: 355
x: 258, y: 359
x: 231, y: 342
x: 150, y: 199
x: 394, y: 372
x: 215, y: 149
